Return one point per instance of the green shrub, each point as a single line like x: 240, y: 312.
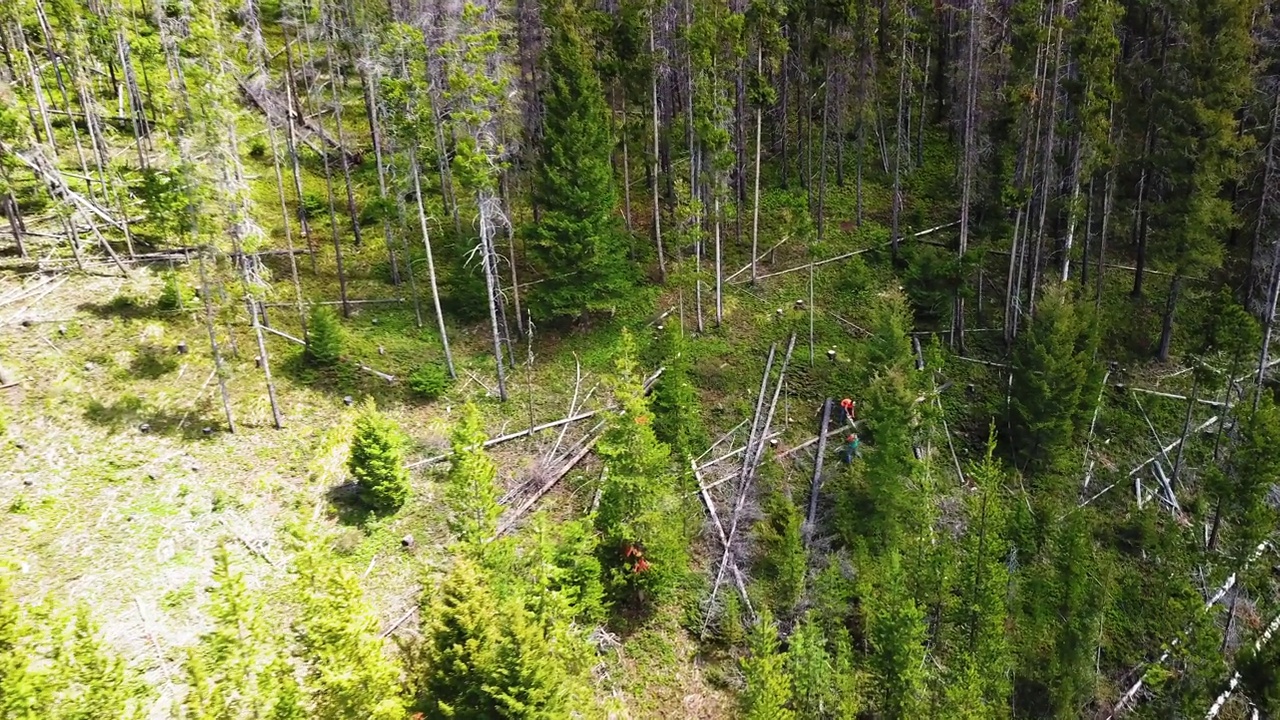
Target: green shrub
x: 312, y: 205
x: 324, y: 337
x: 429, y: 381
x: 173, y: 297
x: 257, y: 148
x: 377, y: 460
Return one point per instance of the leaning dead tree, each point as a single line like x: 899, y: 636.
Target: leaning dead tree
x: 753, y: 453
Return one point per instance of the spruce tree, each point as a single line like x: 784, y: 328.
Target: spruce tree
x: 896, y: 631
x: 781, y: 559
x: 377, y: 460
x: 1055, y: 381
x: 812, y: 674
x: 983, y: 663
x: 471, y: 492
x: 576, y: 248
x: 1240, y: 492
x: 349, y: 674
x: 677, y: 421
x: 324, y: 337
x: 640, y: 510
x: 225, y: 671
x: 768, y: 688
x: 483, y: 656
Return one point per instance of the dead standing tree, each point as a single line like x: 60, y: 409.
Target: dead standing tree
x: 479, y: 99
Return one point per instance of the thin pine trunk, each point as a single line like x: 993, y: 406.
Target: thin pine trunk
x: 46, y: 32
x: 266, y: 365
x: 431, y: 264
x: 755, y: 202
x: 288, y: 227
x: 1108, y: 199
x: 657, y: 157
x: 968, y: 159
x: 294, y: 108
x: 491, y: 286
x: 335, y: 81
x: 213, y: 344
x: 822, y: 158
x: 1140, y: 219
x: 715, y: 193
x: 895, y: 219
x: 626, y: 176
x: 503, y: 185
x: 1166, y: 324
x: 1046, y: 177
x: 375, y: 132
x: 15, y: 221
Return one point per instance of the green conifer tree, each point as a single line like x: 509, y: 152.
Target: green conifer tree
x: 577, y: 248
x: 225, y: 670
x: 471, y: 491
x: 1055, y: 380
x: 349, y: 674
x: 674, y: 399
x: 377, y: 460
x: 640, y: 510
x: 982, y: 663
x: 812, y: 675
x: 487, y: 657
x: 768, y: 688
x: 1240, y: 492
x: 324, y: 337
x: 782, y: 561
x: 896, y: 630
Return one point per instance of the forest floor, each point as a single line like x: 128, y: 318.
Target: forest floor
x: 99, y: 511
x: 102, y: 512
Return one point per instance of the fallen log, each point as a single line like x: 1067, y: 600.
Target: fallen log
x: 507, y: 525
x: 377, y: 373
x: 648, y: 386
x: 848, y: 255
x: 724, y: 540
x: 817, y: 471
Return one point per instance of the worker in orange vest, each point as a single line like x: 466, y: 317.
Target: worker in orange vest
x: 850, y: 409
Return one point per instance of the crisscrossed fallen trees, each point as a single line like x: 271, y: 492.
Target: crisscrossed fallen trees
x: 761, y: 424
x: 648, y: 386
x: 1127, y: 700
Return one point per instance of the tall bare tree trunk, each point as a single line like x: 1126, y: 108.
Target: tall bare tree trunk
x: 288, y: 228
x: 294, y: 104
x: 266, y: 365
x: 896, y: 213
x: 485, y: 200
x: 213, y: 344
x: 375, y: 132
x: 335, y: 83
x: 968, y: 158
x: 431, y: 263
x: 755, y: 194
x: 657, y: 155
x: 626, y: 173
